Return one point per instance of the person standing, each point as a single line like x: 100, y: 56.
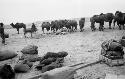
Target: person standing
x: 34, y: 27
x: 2, y: 34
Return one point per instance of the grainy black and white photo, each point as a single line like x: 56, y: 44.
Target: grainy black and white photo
x: 62, y: 39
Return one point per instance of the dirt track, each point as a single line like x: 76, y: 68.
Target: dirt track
x: 81, y: 47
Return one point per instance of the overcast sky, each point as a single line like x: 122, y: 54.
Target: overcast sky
x: 38, y: 10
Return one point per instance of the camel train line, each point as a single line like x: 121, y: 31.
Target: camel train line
x: 71, y: 25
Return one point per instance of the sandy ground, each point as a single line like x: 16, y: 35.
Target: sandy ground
x: 81, y: 46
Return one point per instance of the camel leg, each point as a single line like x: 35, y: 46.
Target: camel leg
x: 110, y: 25
x: 100, y: 27
x: 80, y: 30
x: 114, y: 23
x: 18, y: 30
x: 25, y: 34
x: 93, y: 26
x: 43, y: 30
x: 76, y: 27
x: 119, y: 27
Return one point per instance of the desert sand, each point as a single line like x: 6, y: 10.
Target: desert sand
x: 81, y: 46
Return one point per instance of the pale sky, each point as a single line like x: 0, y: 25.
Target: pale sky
x: 28, y: 11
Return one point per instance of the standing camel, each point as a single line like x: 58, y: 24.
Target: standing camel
x: 18, y: 26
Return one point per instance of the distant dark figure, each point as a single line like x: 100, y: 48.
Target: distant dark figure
x: 81, y: 24
x: 18, y: 26
x: 120, y: 19
x: 97, y: 19
x: 34, y: 27
x: 45, y: 25
x: 62, y: 23
x: 30, y: 30
x: 108, y: 17
x: 2, y: 34
x: 73, y: 24
x: 55, y: 25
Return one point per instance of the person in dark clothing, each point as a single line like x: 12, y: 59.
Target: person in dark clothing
x: 34, y: 27
x: 2, y: 33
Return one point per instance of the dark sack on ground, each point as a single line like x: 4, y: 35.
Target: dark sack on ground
x: 30, y: 49
x: 34, y: 59
x: 50, y: 54
x: 7, y: 54
x: 47, y: 61
x: 30, y: 64
x: 6, y: 72
x: 112, y: 45
x: 50, y: 67
x: 30, y: 57
x: 62, y: 54
x: 21, y: 68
